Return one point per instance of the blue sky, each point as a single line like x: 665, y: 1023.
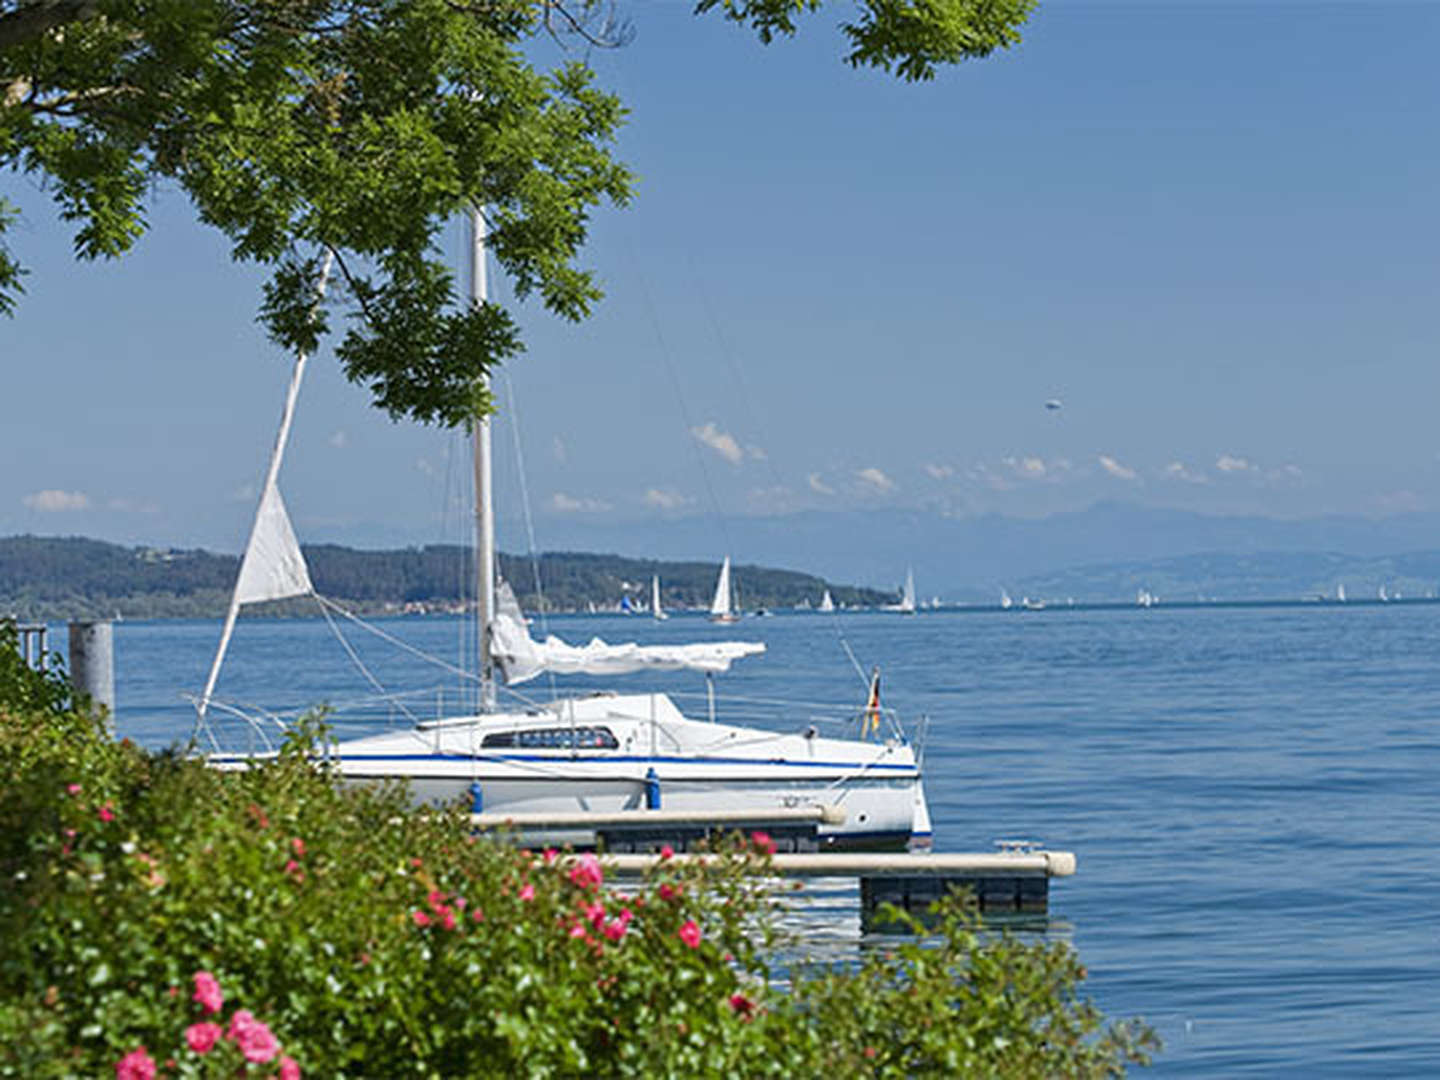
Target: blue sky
x: 1208, y: 228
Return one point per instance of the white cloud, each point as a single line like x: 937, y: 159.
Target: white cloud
x: 56, y: 502
x: 939, y: 472
x: 876, y: 480
x: 1228, y: 463
x: 1033, y: 468
x: 660, y: 499
x: 756, y: 452
x: 339, y: 440
x: 568, y: 504
x: 1115, y: 469
x: 1178, y: 470
x: 819, y: 486
x: 721, y: 442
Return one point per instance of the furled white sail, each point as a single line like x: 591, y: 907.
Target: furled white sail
x: 655, y: 609
x: 273, y: 567
x: 827, y: 602
x: 720, y: 606
x: 522, y: 658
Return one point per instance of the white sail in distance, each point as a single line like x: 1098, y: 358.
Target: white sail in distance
x: 720, y: 606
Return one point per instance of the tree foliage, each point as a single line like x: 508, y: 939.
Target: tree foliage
x: 358, y: 128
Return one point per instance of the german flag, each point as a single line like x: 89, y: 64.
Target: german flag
x: 870, y: 723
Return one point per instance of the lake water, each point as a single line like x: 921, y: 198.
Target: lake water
x: 1253, y: 794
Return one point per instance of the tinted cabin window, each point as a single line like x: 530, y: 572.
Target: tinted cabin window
x: 580, y: 738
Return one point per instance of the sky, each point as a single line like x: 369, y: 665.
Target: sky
x: 1207, y: 229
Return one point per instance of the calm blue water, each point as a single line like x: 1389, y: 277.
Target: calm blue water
x: 1253, y: 795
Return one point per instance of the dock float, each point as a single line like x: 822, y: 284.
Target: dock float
x: 1004, y: 881
x: 1015, y: 879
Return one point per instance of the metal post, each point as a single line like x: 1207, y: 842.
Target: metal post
x: 92, y: 662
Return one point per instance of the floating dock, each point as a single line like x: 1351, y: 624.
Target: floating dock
x: 1015, y: 879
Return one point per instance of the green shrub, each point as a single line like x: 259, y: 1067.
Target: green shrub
x: 347, y: 935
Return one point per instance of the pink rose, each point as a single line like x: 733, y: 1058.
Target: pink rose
x: 690, y: 934
x: 73, y: 789
x: 201, y: 1037
x: 288, y: 1069
x: 587, y: 872
x: 298, y: 846
x: 207, y: 992
x: 741, y: 1005
x: 136, y: 1065
x: 763, y: 842
x: 447, y: 919
x: 669, y: 892
x: 421, y: 919
x: 550, y: 855
x: 667, y: 852
x: 107, y: 813
x: 251, y: 1036
x: 615, y: 928
x: 595, y: 912
x: 527, y: 891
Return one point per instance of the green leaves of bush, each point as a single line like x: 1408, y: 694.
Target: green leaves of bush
x: 373, y: 940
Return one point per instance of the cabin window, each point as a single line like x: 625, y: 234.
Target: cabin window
x: 562, y: 738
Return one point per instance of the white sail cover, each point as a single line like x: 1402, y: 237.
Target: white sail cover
x: 273, y: 567
x: 521, y: 657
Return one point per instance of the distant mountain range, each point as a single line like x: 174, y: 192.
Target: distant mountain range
x: 1089, y: 552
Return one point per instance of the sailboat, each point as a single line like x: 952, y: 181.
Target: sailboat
x: 721, y: 608
x: 656, y: 611
x: 827, y: 602
x: 605, y: 752
x: 906, y: 606
x: 1005, y: 602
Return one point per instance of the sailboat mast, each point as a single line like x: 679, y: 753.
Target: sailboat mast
x: 484, y: 495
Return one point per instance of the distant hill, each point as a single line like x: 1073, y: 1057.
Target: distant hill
x: 57, y: 578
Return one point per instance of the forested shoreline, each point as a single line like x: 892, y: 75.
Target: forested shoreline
x: 76, y: 577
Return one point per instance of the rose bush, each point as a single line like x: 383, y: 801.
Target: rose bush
x: 163, y: 919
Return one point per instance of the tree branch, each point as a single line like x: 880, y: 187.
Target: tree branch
x: 34, y: 19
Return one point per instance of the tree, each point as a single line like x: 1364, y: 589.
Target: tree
x: 357, y: 128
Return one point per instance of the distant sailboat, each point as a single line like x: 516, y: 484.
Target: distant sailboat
x: 721, y: 609
x: 1384, y: 597
x: 626, y: 607
x: 1005, y: 602
x: 1340, y: 593
x: 655, y: 609
x: 827, y: 602
x: 907, y: 597
x: 1145, y: 598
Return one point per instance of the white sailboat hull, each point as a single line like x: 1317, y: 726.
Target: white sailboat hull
x: 698, y: 767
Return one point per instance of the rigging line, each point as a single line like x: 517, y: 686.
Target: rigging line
x: 690, y: 426
x: 732, y: 364
x: 360, y: 664
x: 450, y: 531
x: 398, y: 642
x: 529, y: 518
